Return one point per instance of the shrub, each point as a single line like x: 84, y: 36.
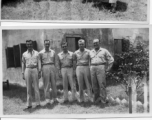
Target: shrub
x: 133, y: 59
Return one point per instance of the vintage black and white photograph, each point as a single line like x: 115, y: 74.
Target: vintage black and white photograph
x: 76, y: 10
x: 75, y: 71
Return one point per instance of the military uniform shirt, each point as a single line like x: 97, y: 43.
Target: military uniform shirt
x: 82, y: 58
x: 65, y: 60
x: 47, y: 57
x: 30, y: 60
x: 102, y: 56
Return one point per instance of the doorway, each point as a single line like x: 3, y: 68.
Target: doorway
x: 72, y: 43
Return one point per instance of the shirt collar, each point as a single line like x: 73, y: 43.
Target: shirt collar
x: 100, y: 49
x: 63, y: 52
x: 45, y: 50
x: 32, y: 51
x: 80, y: 51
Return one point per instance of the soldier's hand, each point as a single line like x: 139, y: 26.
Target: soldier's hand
x: 74, y: 74
x: 60, y: 75
x: 23, y: 76
x: 39, y: 75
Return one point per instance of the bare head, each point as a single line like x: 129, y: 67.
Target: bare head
x: 64, y: 46
x: 96, y: 43
x: 29, y: 44
x: 47, y: 44
x: 81, y: 44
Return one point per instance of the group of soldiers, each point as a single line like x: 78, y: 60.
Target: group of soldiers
x: 89, y: 67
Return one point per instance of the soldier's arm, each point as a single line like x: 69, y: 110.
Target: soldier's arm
x: 74, y: 61
x: 58, y: 63
x: 39, y: 62
x: 109, y: 59
x: 23, y: 66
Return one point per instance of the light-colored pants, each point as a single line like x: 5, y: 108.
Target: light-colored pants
x: 98, y: 82
x: 67, y: 75
x: 31, y: 77
x: 83, y: 76
x: 49, y: 81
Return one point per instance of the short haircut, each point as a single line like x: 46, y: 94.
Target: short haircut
x: 64, y: 43
x: 46, y: 40
x: 81, y: 41
x: 96, y: 40
x: 29, y: 41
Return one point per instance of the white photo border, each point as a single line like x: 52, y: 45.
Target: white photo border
x: 84, y: 116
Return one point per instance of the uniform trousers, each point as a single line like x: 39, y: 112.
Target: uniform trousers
x: 98, y: 78
x: 31, y: 77
x: 49, y: 81
x: 67, y: 76
x: 83, y: 77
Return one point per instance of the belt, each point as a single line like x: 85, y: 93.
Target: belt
x: 67, y: 67
x: 31, y: 67
x: 98, y: 64
x: 48, y: 64
x: 82, y: 65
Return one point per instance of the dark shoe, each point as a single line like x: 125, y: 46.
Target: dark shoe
x: 27, y: 108
x: 38, y: 106
x: 56, y: 101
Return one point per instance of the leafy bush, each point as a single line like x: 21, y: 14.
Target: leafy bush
x: 133, y: 59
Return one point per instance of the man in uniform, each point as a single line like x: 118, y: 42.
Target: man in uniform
x: 47, y: 58
x: 82, y: 59
x: 31, y: 73
x: 101, y: 61
x: 65, y: 68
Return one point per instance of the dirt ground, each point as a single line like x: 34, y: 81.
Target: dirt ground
x: 14, y: 102
x: 127, y: 10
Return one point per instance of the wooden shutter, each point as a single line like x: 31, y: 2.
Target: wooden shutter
x: 10, y: 57
x: 34, y: 45
x: 17, y: 61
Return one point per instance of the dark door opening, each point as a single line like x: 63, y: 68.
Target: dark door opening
x: 72, y: 43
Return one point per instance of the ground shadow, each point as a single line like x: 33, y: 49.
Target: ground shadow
x: 18, y: 91
x: 11, y: 2
x: 121, y: 6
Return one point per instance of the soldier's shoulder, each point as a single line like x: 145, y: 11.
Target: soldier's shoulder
x: 36, y: 51
x: 76, y: 51
x: 24, y: 53
x: 60, y: 53
x: 87, y: 50
x: 70, y: 52
x: 42, y: 51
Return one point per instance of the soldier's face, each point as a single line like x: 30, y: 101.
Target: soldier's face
x: 81, y: 45
x: 29, y: 45
x: 47, y: 44
x: 96, y: 45
x: 64, y: 47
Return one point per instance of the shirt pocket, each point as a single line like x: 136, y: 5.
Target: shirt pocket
x: 34, y: 60
x: 69, y: 57
x: 61, y: 57
x: 44, y: 56
x: 92, y: 55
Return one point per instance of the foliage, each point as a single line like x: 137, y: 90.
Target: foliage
x: 133, y: 61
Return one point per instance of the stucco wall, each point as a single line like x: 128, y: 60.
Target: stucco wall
x: 132, y: 33
x: 14, y: 37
